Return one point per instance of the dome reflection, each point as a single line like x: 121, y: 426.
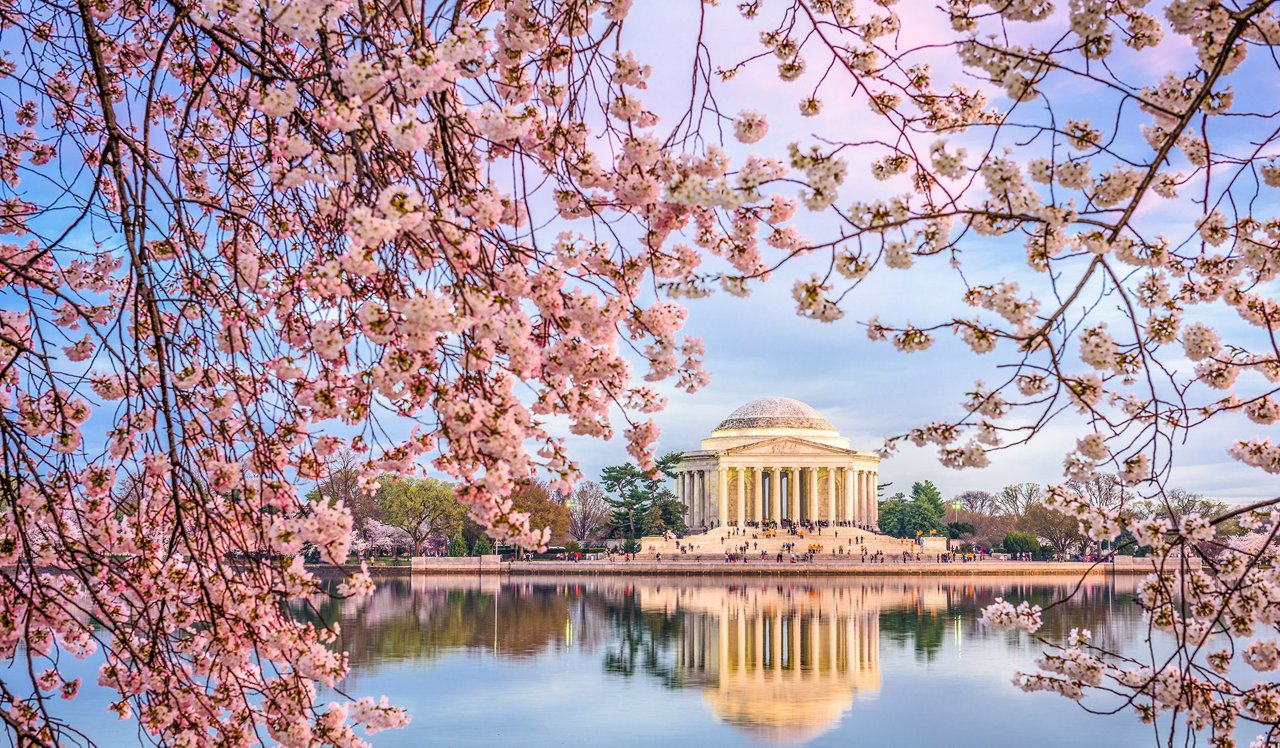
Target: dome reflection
x: 781, y: 660
x: 783, y: 663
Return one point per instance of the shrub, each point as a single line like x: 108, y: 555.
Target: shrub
x: 1020, y: 542
x: 482, y: 546
x: 457, y: 546
x: 572, y: 546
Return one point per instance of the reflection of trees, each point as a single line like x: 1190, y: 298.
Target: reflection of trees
x: 923, y: 630
x: 402, y: 621
x: 643, y: 628
x: 1103, y: 605
x: 642, y: 641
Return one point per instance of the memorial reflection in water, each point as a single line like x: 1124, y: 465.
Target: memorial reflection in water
x: 780, y: 660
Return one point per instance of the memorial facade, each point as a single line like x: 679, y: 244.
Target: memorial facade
x: 777, y: 460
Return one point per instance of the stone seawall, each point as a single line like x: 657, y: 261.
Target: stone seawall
x: 772, y: 568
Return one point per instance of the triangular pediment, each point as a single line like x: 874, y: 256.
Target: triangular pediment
x: 784, y: 445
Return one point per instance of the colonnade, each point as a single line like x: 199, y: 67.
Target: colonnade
x: 806, y: 643
x: 727, y: 494
x: 788, y: 663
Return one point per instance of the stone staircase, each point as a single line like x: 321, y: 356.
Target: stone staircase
x: 713, y: 543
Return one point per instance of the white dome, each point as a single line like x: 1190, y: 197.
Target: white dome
x: 774, y: 413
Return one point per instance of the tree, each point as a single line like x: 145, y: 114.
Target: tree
x: 237, y: 240
x: 1017, y: 498
x: 981, y: 502
x: 380, y: 538
x: 1020, y: 542
x: 544, y: 510
x: 919, y: 516
x: 1061, y: 531
x: 588, y: 511
x: 1102, y: 490
x: 457, y: 547
x: 927, y: 495
x: 988, y: 530
x: 342, y: 484
x: 482, y: 546
x: 957, y: 530
x: 640, y: 501
x: 421, y: 507
x: 1177, y: 503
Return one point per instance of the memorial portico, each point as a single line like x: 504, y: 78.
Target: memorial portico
x: 773, y: 460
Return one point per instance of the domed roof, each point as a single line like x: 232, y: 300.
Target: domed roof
x: 775, y: 413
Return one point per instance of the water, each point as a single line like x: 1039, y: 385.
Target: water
x: 739, y: 661
x: 722, y: 662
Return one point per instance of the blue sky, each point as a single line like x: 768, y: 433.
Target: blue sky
x: 758, y: 347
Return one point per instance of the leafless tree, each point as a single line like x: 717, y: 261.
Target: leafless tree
x: 1059, y: 530
x: 588, y: 511
x: 1017, y: 498
x: 1103, y: 490
x: 343, y: 484
x: 981, y: 502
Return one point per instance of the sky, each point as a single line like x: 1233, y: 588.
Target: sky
x: 758, y: 346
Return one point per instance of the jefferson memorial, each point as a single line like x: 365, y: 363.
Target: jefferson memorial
x: 777, y: 459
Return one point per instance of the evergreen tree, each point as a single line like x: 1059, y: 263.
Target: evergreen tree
x: 482, y: 546
x: 927, y: 495
x: 457, y: 546
x: 922, y: 513
x: 642, y: 504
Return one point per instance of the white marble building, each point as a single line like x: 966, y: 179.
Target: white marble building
x: 777, y: 459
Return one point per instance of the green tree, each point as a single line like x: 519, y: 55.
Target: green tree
x: 1020, y: 542
x: 457, y: 546
x: 482, y: 546
x: 641, y: 504
x: 422, y: 507
x: 957, y: 529
x: 922, y: 513
x: 928, y: 495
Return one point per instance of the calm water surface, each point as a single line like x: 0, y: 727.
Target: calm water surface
x: 861, y: 662
x: 673, y: 662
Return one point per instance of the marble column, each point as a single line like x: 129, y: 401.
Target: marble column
x: 849, y: 492
x: 831, y: 493
x: 861, y: 490
x: 722, y: 488
x: 793, y: 493
x: 875, y: 499
x: 682, y: 489
x: 742, y: 497
x: 813, y: 495
x: 775, y: 494
x: 758, y: 493
x: 702, y: 497
x: 869, y: 491
x: 693, y: 499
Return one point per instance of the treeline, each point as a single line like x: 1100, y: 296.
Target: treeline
x: 1016, y: 519
x: 421, y: 515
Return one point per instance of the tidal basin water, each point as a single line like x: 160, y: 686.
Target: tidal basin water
x: 870, y: 661
x: 860, y: 662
